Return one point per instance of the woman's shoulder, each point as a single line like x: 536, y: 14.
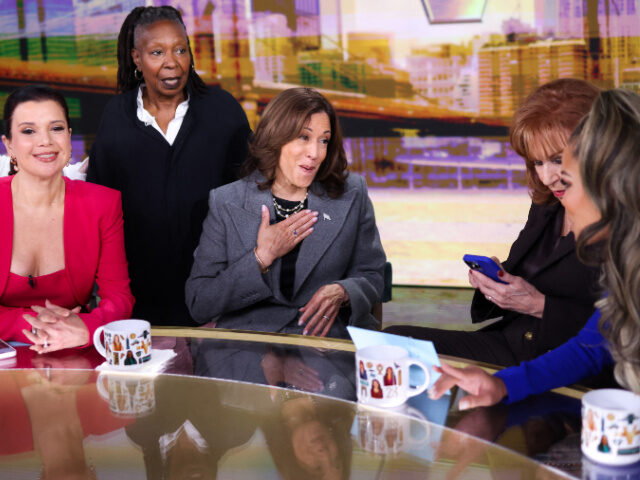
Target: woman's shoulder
x: 5, y: 182
x: 216, y: 98
x: 543, y: 212
x: 92, y: 192
x: 234, y: 189
x: 120, y: 104
x: 355, y: 182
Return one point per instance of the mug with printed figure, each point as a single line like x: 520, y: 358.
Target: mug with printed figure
x: 126, y: 344
x: 382, y: 376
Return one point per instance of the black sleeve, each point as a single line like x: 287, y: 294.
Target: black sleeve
x: 100, y: 171
x: 481, y: 308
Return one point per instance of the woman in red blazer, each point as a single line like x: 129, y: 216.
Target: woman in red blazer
x: 58, y: 237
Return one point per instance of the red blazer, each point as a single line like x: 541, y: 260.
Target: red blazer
x: 93, y: 253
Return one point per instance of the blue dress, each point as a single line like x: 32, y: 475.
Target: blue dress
x: 584, y: 355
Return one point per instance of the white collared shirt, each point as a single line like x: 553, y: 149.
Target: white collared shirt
x: 174, y: 125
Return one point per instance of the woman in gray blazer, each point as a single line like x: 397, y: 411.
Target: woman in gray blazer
x: 293, y: 246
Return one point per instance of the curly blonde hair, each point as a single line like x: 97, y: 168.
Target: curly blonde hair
x: 607, y: 146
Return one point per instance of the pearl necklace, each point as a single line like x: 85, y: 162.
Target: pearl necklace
x: 286, y: 212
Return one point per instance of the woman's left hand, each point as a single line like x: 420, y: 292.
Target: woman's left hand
x: 517, y: 295
x: 321, y: 311
x: 56, y: 328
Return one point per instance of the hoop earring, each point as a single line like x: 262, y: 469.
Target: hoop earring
x: 137, y: 72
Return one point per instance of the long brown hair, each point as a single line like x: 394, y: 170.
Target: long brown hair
x: 546, y: 119
x: 282, y: 121
x: 607, y: 147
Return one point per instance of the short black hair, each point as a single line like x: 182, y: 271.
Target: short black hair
x: 31, y: 93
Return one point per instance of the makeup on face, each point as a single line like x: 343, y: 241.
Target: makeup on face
x: 578, y: 206
x: 40, y: 138
x: 162, y: 55
x: 547, y: 161
x: 300, y: 159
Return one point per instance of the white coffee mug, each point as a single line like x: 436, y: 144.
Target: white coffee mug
x: 611, y: 426
x: 127, y: 343
x: 382, y: 375
x: 128, y: 395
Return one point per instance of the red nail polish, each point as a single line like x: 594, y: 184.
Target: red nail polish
x: 470, y: 271
x: 500, y: 273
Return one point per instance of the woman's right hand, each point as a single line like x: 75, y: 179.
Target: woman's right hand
x: 275, y: 241
x: 484, y: 389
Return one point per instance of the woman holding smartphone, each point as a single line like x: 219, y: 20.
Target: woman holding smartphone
x: 548, y: 295
x: 601, y: 174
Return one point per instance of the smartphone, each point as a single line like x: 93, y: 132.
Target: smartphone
x: 6, y: 350
x: 484, y: 265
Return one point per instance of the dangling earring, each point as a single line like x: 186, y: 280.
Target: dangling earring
x: 14, y: 163
x: 137, y: 72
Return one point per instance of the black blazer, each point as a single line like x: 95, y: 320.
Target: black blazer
x: 570, y: 289
x: 165, y: 189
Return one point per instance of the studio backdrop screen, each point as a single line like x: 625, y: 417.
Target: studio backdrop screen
x: 425, y: 90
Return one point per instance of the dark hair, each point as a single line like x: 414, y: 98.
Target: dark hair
x: 546, y: 118
x: 282, y: 121
x: 30, y: 93
x: 142, y: 16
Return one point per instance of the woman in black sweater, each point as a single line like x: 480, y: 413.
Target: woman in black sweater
x: 165, y: 141
x: 550, y: 294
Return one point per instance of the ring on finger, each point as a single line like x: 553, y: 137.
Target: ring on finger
x: 490, y: 298
x: 295, y: 233
x: 325, y: 317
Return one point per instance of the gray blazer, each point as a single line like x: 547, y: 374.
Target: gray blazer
x: 226, y: 286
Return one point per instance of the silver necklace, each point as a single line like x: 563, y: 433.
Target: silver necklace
x: 286, y: 212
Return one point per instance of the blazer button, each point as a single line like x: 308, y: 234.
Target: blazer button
x: 528, y: 336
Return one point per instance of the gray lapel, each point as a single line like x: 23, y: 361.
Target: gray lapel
x: 331, y: 216
x: 246, y: 220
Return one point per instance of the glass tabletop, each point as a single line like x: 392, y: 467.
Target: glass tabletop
x: 242, y: 404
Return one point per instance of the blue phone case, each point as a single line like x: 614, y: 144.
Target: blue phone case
x: 484, y: 265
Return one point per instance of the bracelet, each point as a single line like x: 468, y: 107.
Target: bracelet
x: 263, y: 267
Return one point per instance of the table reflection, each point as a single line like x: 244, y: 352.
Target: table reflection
x: 316, y: 370
x: 49, y: 413
x: 228, y: 408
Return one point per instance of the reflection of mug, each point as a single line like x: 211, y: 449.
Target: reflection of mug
x: 389, y: 433
x: 128, y: 396
x: 382, y: 376
x: 595, y: 471
x: 611, y: 426
x: 127, y: 343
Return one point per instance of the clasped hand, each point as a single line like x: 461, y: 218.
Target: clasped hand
x: 517, y: 295
x: 55, y: 328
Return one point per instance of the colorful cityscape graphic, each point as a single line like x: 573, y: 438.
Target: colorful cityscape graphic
x: 425, y: 90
